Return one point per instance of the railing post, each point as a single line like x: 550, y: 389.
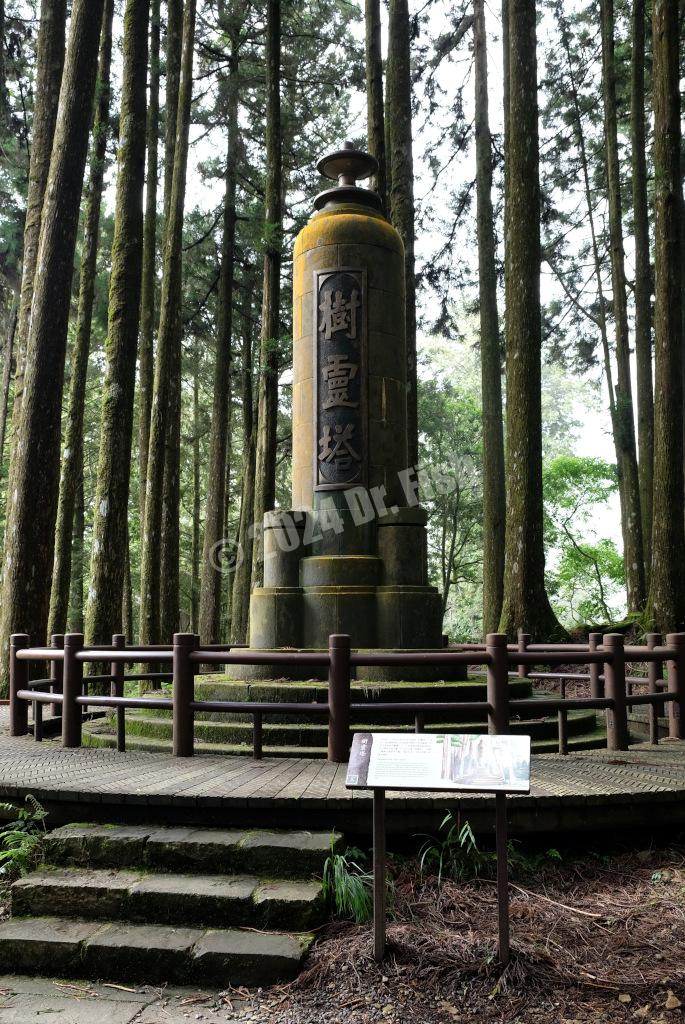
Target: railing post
x: 562, y: 720
x: 524, y: 640
x: 676, y: 685
x: 257, y: 735
x: 19, y: 677
x: 615, y: 689
x: 183, y: 693
x: 339, y: 697
x: 596, y: 685
x: 56, y: 673
x: 655, y: 672
x: 116, y: 689
x: 72, y: 713
x: 497, y: 683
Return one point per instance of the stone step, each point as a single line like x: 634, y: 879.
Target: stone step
x: 213, y: 687
x: 314, y: 733
x: 261, y: 853
x: 105, y: 737
x: 218, y: 900
x: 152, y: 953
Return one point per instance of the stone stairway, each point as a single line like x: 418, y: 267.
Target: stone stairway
x: 285, y: 735
x: 177, y: 905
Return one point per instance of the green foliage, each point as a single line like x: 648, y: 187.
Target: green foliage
x: 455, y: 854
x: 347, y: 885
x: 20, y: 839
x: 585, y: 576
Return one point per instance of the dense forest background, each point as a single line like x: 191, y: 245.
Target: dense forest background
x: 157, y: 159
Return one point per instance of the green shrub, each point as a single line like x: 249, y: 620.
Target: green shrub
x: 20, y: 839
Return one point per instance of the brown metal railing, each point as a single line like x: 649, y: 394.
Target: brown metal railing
x: 611, y: 688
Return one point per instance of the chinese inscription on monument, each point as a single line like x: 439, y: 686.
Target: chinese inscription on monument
x: 340, y: 375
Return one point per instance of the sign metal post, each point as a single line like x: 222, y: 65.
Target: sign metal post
x: 499, y: 765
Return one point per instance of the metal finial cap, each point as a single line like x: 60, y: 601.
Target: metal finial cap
x: 348, y: 165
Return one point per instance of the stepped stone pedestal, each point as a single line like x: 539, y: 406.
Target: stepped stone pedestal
x: 350, y: 557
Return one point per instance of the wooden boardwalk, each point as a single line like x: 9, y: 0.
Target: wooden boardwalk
x: 588, y: 790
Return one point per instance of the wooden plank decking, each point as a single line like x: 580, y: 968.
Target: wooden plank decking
x: 644, y: 786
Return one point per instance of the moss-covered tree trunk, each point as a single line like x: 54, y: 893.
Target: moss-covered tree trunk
x: 375, y: 116
x: 643, y: 280
x: 666, y: 608
x: 35, y: 478
x: 400, y: 158
x: 147, y: 297
x: 197, y: 469
x: 491, y: 365
x: 241, y: 584
x: 7, y: 363
x: 77, y: 575
x: 211, y: 576
x: 49, y: 66
x: 265, y: 474
x: 633, y: 553
x: 103, y: 606
x: 525, y: 603
x: 72, y: 457
x: 168, y: 357
x: 169, y: 595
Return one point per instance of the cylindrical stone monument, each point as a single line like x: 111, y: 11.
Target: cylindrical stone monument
x: 352, y: 558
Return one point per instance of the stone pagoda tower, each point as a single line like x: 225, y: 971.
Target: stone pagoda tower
x: 350, y: 556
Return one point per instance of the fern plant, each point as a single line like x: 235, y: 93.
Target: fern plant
x: 20, y: 839
x: 347, y: 885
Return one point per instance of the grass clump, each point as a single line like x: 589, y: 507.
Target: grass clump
x: 348, y: 885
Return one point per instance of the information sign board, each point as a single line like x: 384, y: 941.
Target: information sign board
x: 463, y: 761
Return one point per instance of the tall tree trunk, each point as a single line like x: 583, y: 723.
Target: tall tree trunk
x: 375, y: 117
x: 173, y: 53
x: 241, y: 583
x: 49, y: 66
x: 525, y: 603
x: 599, y: 319
x: 211, y: 577
x: 227, y: 591
x: 168, y: 353
x: 195, y: 554
x: 72, y: 460
x: 31, y: 518
x: 643, y: 280
x: 633, y: 553
x: 169, y: 596
x: 491, y: 367
x: 103, y: 606
x: 147, y: 297
x: 265, y: 476
x: 398, y: 115
x: 666, y: 609
x: 75, y: 618
x: 8, y: 359
x: 127, y: 593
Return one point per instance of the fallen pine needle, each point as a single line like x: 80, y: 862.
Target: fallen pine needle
x: 555, y: 903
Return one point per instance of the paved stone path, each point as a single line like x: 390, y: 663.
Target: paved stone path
x: 35, y: 1000
x: 641, y: 786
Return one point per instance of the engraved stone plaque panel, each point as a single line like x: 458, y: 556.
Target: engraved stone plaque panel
x: 340, y: 414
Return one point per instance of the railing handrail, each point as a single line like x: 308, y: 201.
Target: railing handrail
x: 611, y: 690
